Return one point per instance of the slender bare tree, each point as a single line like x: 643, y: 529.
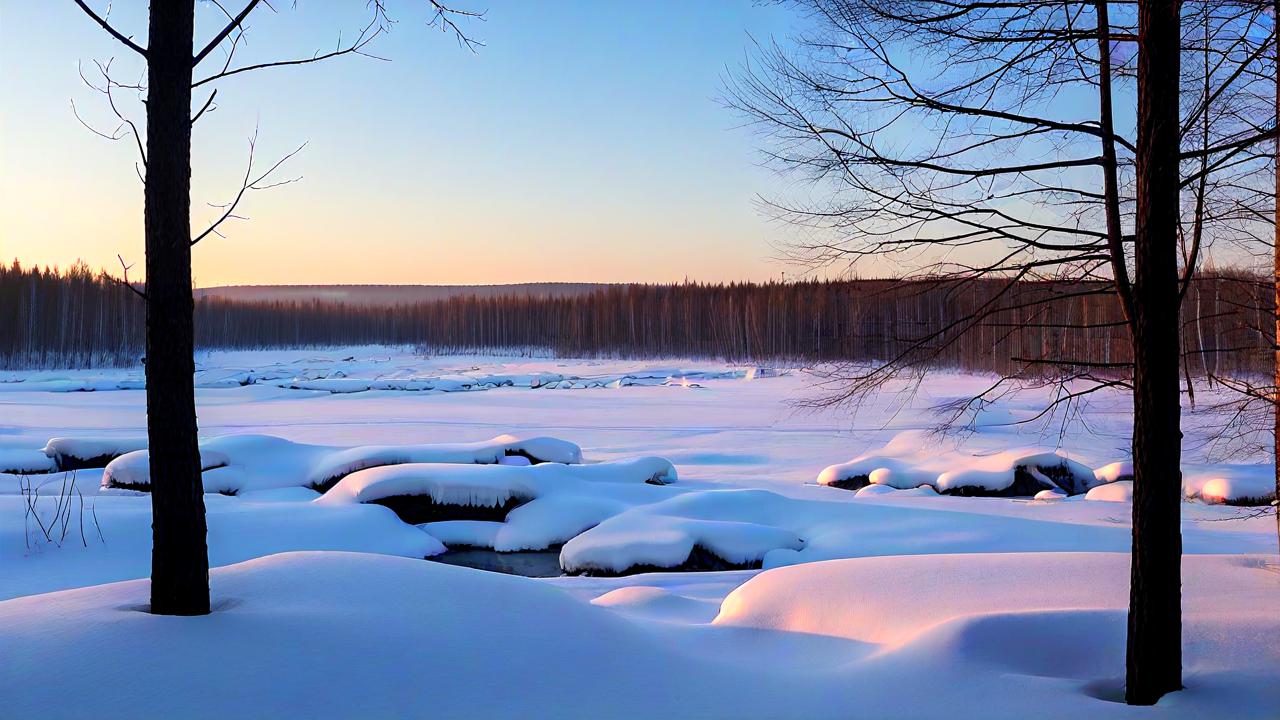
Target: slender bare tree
x: 962, y: 141
x: 180, y: 564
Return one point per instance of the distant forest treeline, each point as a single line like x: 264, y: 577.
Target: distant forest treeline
x: 79, y: 318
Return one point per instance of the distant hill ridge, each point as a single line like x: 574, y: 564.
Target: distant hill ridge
x: 391, y: 294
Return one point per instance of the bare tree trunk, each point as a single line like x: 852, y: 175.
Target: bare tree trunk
x: 1154, y: 659
x: 179, y: 556
x: 1275, y: 402
x: 1111, y: 186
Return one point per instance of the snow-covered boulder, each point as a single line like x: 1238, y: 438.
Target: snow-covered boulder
x: 1007, y: 475
x: 627, y: 545
x: 25, y: 460
x: 875, y: 470
x: 132, y: 471
x: 507, y: 507
x: 80, y: 453
x: 904, y: 464
x: 236, y: 463
x: 688, y: 532
x: 874, y: 490
x: 1113, y: 472
x: 536, y: 450
x: 1239, y: 490
x: 1118, y: 491
x: 419, y: 492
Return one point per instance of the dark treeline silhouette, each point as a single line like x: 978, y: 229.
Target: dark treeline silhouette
x: 73, y: 318
x: 79, y: 318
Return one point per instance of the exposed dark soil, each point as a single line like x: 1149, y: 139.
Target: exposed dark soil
x: 524, y: 454
x: 71, y: 462
x: 857, y: 482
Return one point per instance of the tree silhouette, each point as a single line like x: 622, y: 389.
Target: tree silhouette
x: 987, y: 131
x: 180, y: 564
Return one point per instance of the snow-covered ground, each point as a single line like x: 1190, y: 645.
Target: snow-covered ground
x: 883, y: 600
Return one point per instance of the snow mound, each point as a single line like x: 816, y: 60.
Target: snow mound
x: 1121, y: 470
x: 1118, y: 491
x: 535, y: 450
x: 1013, y: 475
x: 473, y: 485
x: 22, y: 461
x: 903, y: 464
x: 1067, y: 644
x: 875, y: 469
x: 861, y: 599
x: 656, y: 603
x: 711, y: 530
x: 1238, y: 490
x: 982, y: 631
x: 132, y: 471
x: 531, y: 507
x: 626, y: 545
x: 1232, y: 485
x: 237, y: 463
x: 77, y: 453
x: 875, y: 489
x: 270, y: 651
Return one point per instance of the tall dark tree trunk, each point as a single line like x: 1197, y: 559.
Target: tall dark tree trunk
x: 1275, y: 400
x: 1154, y: 660
x: 179, y: 556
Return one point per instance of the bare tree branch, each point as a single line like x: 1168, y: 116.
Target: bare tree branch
x: 114, y: 33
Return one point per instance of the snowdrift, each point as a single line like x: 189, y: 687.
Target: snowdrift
x: 1232, y: 485
x: 80, y: 453
x: 1004, y: 636
x: 908, y: 461
x: 361, y: 373
x: 238, y: 463
x: 904, y: 464
x: 507, y: 507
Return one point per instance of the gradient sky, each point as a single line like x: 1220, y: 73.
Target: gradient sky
x: 584, y: 142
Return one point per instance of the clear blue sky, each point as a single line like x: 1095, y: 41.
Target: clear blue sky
x: 584, y: 142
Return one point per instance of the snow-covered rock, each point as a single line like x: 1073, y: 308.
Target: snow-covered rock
x: 1118, y: 491
x: 132, y: 471
x: 23, y: 460
x: 875, y: 469
x: 905, y: 463
x: 1008, y: 475
x: 1112, y: 472
x: 236, y: 463
x: 874, y: 490
x: 628, y: 545
x: 687, y: 532
x: 73, y: 453
x: 507, y: 507
x: 468, y: 485
x: 1239, y: 490
x: 536, y: 450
